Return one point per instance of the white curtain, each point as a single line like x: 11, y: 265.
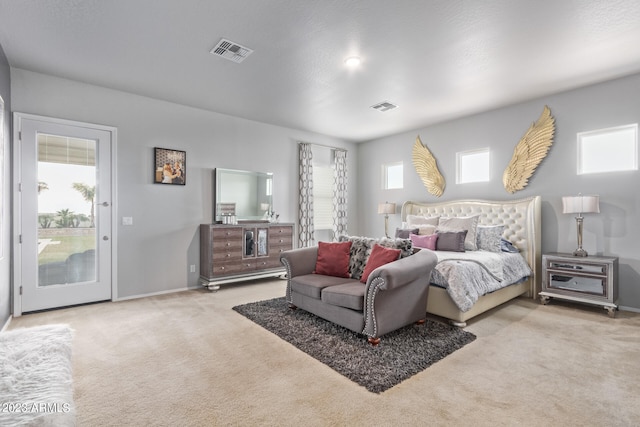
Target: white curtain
x: 340, y: 193
x: 305, y: 203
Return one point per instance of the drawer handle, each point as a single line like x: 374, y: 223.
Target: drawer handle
x: 221, y: 268
x: 248, y: 265
x: 228, y: 255
x: 228, y: 243
x: 281, y: 240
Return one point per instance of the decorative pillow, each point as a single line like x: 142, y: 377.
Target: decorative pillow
x: 333, y: 259
x: 507, y: 246
x: 469, y: 223
x: 427, y: 229
x: 414, y: 220
x: 379, y: 256
x: 403, y: 233
x: 451, y: 241
x: 361, y: 249
x: 488, y: 237
x: 428, y: 241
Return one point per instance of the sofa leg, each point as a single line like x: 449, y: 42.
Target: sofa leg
x: 421, y: 322
x: 292, y: 307
x: 374, y: 341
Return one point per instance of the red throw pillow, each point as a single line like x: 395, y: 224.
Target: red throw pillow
x: 379, y: 256
x: 333, y: 259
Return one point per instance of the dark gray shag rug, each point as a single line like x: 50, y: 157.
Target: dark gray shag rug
x: 400, y: 354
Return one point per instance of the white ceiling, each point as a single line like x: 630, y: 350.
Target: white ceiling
x: 436, y: 59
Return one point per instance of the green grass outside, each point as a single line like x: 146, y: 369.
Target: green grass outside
x: 68, y: 245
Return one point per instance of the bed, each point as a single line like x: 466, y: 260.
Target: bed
x: 522, y: 227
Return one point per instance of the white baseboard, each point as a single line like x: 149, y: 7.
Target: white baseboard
x: 171, y: 291
x: 6, y: 324
x: 634, y: 309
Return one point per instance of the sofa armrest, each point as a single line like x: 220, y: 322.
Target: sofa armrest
x: 299, y: 261
x: 405, y: 270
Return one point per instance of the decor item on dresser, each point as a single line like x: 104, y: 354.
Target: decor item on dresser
x: 427, y: 168
x: 170, y: 166
x: 373, y: 293
x: 386, y: 208
x: 580, y: 204
x: 529, y: 152
x: 466, y: 281
x: 246, y: 251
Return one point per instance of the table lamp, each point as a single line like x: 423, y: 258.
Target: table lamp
x: 580, y: 204
x: 386, y: 208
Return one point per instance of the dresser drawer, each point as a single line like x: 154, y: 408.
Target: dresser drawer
x: 276, y: 230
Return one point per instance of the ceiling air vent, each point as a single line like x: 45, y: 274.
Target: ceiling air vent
x: 384, y: 106
x: 231, y: 51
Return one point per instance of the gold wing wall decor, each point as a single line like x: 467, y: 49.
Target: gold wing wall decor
x: 427, y: 168
x: 530, y: 151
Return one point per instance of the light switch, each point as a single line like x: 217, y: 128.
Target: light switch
x: 127, y: 220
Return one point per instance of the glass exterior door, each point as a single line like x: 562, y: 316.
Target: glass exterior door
x: 64, y: 252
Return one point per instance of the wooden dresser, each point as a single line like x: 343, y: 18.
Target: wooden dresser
x: 250, y: 250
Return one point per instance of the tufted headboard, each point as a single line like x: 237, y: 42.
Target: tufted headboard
x: 521, y: 218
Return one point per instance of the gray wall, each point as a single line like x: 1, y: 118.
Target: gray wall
x: 155, y: 253
x: 615, y: 231
x: 5, y: 191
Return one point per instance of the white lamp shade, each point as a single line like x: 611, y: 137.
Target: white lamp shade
x: 581, y: 204
x: 387, y: 208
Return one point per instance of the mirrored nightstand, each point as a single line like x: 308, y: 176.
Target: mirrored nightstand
x: 591, y: 280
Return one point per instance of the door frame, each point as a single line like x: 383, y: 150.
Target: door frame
x: 16, y: 264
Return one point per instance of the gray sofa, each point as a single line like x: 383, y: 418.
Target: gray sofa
x: 394, y: 296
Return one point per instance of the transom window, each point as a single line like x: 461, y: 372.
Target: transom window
x: 472, y: 166
x: 608, y: 150
x: 392, y: 176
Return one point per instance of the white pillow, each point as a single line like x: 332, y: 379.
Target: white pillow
x: 426, y: 229
x: 469, y: 223
x: 417, y: 220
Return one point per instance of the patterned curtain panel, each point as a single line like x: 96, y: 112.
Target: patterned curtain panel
x: 340, y: 194
x: 305, y: 203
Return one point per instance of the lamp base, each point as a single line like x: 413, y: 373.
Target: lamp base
x: 580, y: 252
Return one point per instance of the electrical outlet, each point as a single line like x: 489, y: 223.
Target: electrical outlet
x: 127, y: 220
x: 192, y: 268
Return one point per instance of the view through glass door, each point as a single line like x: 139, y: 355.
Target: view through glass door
x: 65, y: 204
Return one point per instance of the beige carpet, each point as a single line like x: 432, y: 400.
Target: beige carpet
x: 187, y: 359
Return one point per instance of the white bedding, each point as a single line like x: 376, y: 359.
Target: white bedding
x: 468, y: 275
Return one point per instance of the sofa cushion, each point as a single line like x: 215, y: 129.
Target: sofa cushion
x: 349, y: 295
x: 333, y: 259
x: 362, y: 246
x: 379, y: 256
x: 312, y: 285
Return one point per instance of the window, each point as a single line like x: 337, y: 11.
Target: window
x: 608, y: 150
x: 392, y: 176
x: 472, y: 166
x: 323, y: 197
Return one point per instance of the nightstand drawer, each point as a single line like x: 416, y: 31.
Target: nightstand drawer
x: 572, y: 268
x: 582, y: 284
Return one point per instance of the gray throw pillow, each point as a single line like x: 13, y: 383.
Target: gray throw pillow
x: 403, y: 233
x: 451, y: 241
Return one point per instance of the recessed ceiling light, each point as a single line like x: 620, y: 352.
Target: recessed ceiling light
x: 352, y: 61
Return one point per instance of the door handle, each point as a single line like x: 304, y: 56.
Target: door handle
x: 105, y: 203
x: 105, y: 237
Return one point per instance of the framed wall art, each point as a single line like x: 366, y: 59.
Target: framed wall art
x: 170, y: 166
